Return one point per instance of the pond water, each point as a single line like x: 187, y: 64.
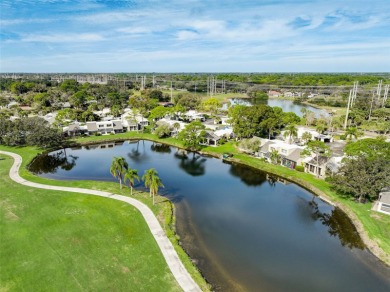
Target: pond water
x: 285, y: 104
x: 246, y: 230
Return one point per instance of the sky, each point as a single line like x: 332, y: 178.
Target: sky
x: 194, y: 36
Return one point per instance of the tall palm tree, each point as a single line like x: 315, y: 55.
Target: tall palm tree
x: 131, y: 175
x: 176, y: 126
x: 274, y: 156
x: 291, y: 131
x: 152, y: 181
x: 352, y: 132
x: 118, y: 168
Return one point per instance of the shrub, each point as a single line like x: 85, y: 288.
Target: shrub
x: 299, y: 168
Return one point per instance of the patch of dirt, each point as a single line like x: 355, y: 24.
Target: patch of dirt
x: 9, y: 210
x: 125, y: 270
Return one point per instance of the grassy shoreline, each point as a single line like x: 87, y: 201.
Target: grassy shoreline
x: 373, y: 227
x: 163, y: 209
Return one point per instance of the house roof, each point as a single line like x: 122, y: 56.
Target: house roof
x: 384, y: 197
x: 72, y: 127
x: 211, y: 135
x: 295, y: 155
x: 322, y: 160
x: 264, y: 148
x: 117, y: 125
x: 91, y: 126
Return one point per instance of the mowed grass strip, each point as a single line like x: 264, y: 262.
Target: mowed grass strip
x: 58, y: 241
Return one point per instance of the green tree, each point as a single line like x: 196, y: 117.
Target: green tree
x: 274, y: 156
x: 79, y: 98
x: 176, y: 126
x: 321, y: 125
x: 353, y: 133
x: 250, y: 145
x: 211, y: 105
x: 116, y: 110
x: 158, y: 113
x: 291, y: 132
x: 163, y: 129
x: 247, y: 120
x: 131, y: 175
x: 318, y: 149
x: 118, y: 167
x: 362, y: 178
x: 69, y: 85
x: 306, y: 137
x: 152, y: 181
x: 369, y: 148
x: 188, y: 101
x: 192, y: 135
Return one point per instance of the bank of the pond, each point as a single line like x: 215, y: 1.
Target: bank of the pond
x: 164, y: 210
x: 373, y: 227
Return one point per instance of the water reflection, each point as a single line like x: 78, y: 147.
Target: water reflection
x: 251, y: 177
x: 338, y: 225
x: 137, y: 153
x: 160, y: 148
x: 194, y: 166
x: 49, y: 163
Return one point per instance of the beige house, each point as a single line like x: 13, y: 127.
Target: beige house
x: 383, y: 203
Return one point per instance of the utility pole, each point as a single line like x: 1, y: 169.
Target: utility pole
x: 372, y: 102
x: 379, y: 90
x: 385, y: 95
x: 171, y: 92
x: 354, y: 91
x: 349, y: 103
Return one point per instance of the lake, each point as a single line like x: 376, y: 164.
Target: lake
x: 245, y: 230
x: 285, y: 104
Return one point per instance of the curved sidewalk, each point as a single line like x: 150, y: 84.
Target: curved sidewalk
x: 174, y: 263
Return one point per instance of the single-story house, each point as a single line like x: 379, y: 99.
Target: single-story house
x: 105, y: 127
x: 312, y: 167
x: 290, y: 154
x: 74, y: 129
x: 211, y: 139
x: 192, y: 115
x: 383, y: 203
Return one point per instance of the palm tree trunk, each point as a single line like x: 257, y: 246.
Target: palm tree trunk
x: 153, y: 198
x: 120, y: 182
x: 131, y: 190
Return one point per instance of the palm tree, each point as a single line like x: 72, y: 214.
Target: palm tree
x: 118, y: 168
x: 176, y: 126
x: 352, y: 132
x: 291, y: 131
x: 131, y: 175
x: 152, y: 181
x: 274, y: 156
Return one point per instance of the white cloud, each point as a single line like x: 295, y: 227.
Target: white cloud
x: 63, y: 38
x: 185, y: 35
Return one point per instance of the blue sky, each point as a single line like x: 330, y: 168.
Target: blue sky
x: 194, y: 36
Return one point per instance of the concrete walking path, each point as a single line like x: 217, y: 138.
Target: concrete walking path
x: 174, y: 263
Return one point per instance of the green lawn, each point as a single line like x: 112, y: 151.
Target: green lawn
x: 376, y: 225
x: 57, y: 241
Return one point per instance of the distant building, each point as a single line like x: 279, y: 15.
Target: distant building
x: 383, y: 203
x: 273, y: 93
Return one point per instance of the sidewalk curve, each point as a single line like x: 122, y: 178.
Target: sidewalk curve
x: 174, y: 263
